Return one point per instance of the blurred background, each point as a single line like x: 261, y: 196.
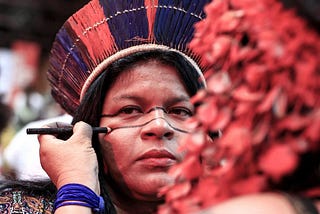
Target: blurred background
x: 27, y: 30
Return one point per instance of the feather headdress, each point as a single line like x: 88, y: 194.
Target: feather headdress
x: 106, y: 30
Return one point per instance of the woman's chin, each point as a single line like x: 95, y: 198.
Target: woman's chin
x: 148, y: 188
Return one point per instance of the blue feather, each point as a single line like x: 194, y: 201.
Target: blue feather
x: 66, y: 41
x: 174, y: 24
x: 127, y: 24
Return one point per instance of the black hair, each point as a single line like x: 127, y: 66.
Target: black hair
x: 43, y: 187
x: 91, y: 106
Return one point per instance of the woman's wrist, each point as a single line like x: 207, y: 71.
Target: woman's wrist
x: 92, y: 183
x: 74, y: 194
x: 73, y: 209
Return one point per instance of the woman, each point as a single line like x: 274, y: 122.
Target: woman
x: 136, y: 79
x: 146, y: 128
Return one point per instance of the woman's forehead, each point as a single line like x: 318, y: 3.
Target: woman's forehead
x: 146, y: 72
x: 148, y: 80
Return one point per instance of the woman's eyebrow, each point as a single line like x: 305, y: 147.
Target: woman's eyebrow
x: 178, y: 99
x: 127, y: 97
x: 174, y: 99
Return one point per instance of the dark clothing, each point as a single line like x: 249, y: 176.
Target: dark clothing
x: 25, y: 201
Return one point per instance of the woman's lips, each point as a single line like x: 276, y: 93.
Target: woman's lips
x: 157, y: 158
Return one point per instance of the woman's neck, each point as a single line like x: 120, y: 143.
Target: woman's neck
x: 125, y: 204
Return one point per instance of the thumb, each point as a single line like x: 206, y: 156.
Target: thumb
x: 82, y: 133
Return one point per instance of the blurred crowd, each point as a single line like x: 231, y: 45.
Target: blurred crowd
x: 24, y: 99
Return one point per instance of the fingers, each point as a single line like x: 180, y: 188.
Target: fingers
x: 72, y: 160
x: 57, y: 125
x: 82, y: 133
x: 50, y: 137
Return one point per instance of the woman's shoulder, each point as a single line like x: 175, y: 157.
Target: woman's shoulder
x: 25, y: 200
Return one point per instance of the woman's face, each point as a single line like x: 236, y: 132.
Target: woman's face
x: 144, y: 142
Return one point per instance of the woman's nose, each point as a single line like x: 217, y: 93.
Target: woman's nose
x: 158, y: 127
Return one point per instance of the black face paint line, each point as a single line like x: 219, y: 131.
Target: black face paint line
x: 146, y: 123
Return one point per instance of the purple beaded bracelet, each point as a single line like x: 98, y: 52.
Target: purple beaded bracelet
x: 78, y: 194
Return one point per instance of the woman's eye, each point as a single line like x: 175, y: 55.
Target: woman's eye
x: 130, y: 110
x: 181, y: 112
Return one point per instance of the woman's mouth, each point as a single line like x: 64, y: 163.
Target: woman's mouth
x: 157, y: 159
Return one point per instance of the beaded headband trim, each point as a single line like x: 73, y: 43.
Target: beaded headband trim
x: 126, y: 52
x: 104, y: 31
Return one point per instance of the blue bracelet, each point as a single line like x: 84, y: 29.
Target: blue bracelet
x: 78, y: 194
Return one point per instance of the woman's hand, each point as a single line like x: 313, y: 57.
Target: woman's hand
x: 71, y: 161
